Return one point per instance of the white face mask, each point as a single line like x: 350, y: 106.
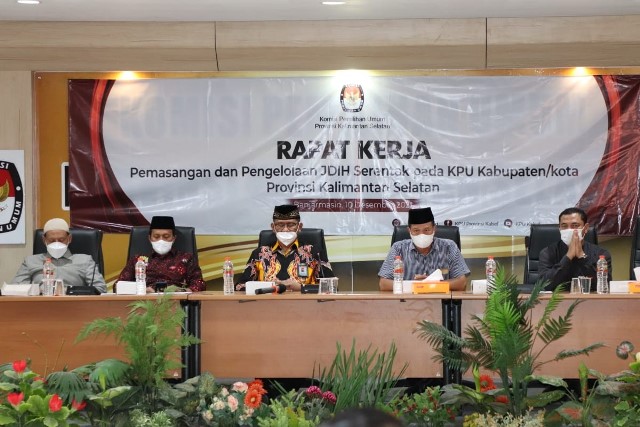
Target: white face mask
x: 567, y: 235
x: 286, y: 237
x: 161, y: 246
x: 56, y: 249
x: 422, y: 240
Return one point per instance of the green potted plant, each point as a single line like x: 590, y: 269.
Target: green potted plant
x: 502, y: 341
x: 25, y: 400
x: 152, y: 338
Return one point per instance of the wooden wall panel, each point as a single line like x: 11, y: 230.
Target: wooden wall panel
x: 105, y: 46
x: 598, y: 41
x: 364, y: 44
x: 16, y: 133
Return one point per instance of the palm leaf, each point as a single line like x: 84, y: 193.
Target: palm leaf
x: 554, y: 329
x: 447, y: 345
x: 68, y: 384
x: 527, y: 304
x: 550, y: 307
x: 110, y: 373
x: 482, y: 347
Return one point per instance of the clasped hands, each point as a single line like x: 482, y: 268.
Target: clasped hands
x: 575, y: 247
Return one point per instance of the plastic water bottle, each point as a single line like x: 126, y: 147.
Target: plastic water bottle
x: 602, y: 276
x: 398, y: 275
x: 227, y: 276
x: 141, y: 277
x: 48, y: 277
x: 490, y: 271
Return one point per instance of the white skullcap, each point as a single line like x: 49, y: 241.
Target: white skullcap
x: 57, y: 224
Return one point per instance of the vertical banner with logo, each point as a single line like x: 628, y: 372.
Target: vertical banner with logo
x: 12, y: 230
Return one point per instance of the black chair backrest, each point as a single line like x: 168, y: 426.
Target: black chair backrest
x: 635, y: 250
x: 306, y: 236
x: 451, y: 232
x: 541, y: 236
x: 83, y: 241
x: 139, y: 241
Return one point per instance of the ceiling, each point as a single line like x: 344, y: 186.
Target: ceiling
x: 273, y: 10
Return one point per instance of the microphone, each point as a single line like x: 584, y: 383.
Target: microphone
x: 93, y: 275
x: 278, y: 289
x: 320, y: 268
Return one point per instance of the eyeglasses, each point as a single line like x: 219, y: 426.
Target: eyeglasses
x: 281, y: 226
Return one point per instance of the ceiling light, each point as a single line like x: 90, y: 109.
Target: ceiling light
x: 29, y: 1
x: 333, y: 3
x: 127, y: 75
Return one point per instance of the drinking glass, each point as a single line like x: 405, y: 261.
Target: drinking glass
x: 585, y: 284
x: 575, y: 286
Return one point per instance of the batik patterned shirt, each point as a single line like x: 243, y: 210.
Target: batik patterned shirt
x: 301, y: 263
x: 174, y: 268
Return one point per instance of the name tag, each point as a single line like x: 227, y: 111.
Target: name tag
x: 303, y: 270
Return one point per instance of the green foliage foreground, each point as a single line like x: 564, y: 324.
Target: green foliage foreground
x: 507, y: 340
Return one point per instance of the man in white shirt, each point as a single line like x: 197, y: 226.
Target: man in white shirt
x: 73, y: 269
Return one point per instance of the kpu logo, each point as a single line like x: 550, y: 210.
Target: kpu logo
x: 11, y: 197
x: 352, y: 98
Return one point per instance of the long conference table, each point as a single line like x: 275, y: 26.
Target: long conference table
x: 295, y: 335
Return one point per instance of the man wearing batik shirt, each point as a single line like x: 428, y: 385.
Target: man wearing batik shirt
x: 423, y: 253
x: 166, y: 264
x: 287, y: 262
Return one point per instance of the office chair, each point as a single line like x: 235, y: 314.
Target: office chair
x: 83, y: 241
x: 451, y: 232
x: 541, y: 236
x: 306, y: 236
x: 139, y: 241
x: 635, y: 250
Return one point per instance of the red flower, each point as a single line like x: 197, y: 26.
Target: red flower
x: 55, y: 403
x: 502, y: 399
x: 257, y: 381
x: 257, y: 385
x: 253, y: 398
x: 19, y: 366
x: 314, y: 391
x: 486, y: 383
x: 329, y: 397
x: 78, y: 406
x: 39, y: 378
x: 15, y: 398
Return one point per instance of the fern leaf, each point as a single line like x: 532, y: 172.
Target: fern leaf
x: 564, y: 354
x: 107, y: 326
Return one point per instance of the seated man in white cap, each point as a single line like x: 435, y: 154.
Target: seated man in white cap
x: 73, y: 269
x: 423, y: 253
x: 166, y: 264
x: 287, y: 262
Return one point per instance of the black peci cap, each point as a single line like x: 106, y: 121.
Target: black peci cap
x: 162, y: 223
x: 420, y: 216
x: 286, y: 212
